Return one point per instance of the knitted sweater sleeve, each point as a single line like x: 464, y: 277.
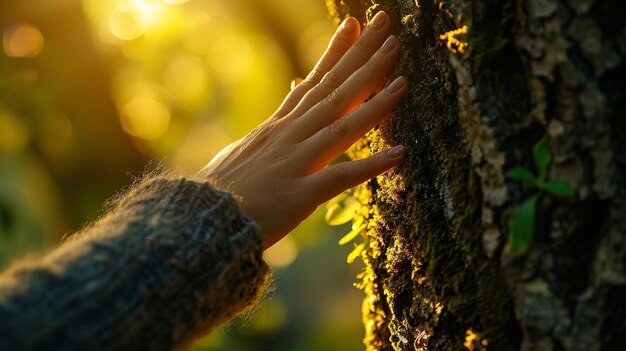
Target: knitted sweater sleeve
x: 173, y: 259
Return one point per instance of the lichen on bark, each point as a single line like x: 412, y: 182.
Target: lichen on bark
x: 489, y: 79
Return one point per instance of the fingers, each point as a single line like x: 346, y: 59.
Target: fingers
x: 351, y: 93
x: 372, y: 38
x: 342, y: 40
x: 331, y: 181
x: 334, y: 139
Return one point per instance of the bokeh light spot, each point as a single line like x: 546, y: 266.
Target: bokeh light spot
x: 281, y: 254
x: 127, y: 24
x: 232, y: 57
x: 22, y: 40
x: 145, y: 118
x: 201, y: 142
x: 186, y: 80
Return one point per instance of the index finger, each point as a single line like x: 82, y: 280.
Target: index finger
x: 345, y: 36
x: 373, y: 36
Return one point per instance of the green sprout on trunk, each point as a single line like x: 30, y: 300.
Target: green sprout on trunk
x: 522, y: 224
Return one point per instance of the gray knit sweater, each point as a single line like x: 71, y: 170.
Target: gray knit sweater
x: 171, y: 260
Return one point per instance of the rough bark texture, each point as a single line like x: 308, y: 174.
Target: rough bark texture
x: 438, y: 271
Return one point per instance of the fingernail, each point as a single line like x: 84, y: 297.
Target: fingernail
x: 396, y: 85
x: 378, y: 21
x: 347, y: 26
x: 389, y: 44
x: 396, y: 151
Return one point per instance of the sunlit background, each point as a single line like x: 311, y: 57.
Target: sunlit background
x: 92, y: 93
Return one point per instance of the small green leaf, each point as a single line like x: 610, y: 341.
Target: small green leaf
x: 356, y: 252
x: 559, y: 188
x: 522, y: 226
x: 351, y: 235
x: 541, y: 155
x: 521, y: 173
x: 337, y: 199
x: 342, y: 211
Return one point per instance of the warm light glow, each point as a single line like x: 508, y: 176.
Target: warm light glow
x: 473, y: 341
x: 186, y: 81
x: 22, y: 40
x: 200, y: 143
x: 127, y: 25
x: 145, y: 118
x: 313, y: 41
x: 175, y: 2
x: 150, y: 7
x: 232, y: 57
x: 146, y: 7
x: 282, y: 254
x: 132, y: 18
x: 452, y: 42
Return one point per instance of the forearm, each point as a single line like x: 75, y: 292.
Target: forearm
x: 172, y: 260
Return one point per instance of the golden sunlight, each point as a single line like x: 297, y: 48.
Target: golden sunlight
x: 145, y: 118
x: 474, y: 342
x: 187, y: 82
x: 175, y: 2
x: 232, y: 57
x: 132, y: 18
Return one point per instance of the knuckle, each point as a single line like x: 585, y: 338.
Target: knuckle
x: 339, y: 128
x: 330, y: 80
x: 301, y: 89
x: 307, y: 84
x: 315, y: 76
x: 361, y: 46
x: 335, y: 98
x: 340, y: 172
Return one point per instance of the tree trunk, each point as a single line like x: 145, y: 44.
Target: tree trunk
x: 490, y: 80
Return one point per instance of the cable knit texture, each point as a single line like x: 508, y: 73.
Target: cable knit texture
x: 173, y: 259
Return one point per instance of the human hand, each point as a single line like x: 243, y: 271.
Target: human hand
x: 278, y: 171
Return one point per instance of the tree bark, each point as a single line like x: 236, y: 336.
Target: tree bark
x: 489, y: 79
